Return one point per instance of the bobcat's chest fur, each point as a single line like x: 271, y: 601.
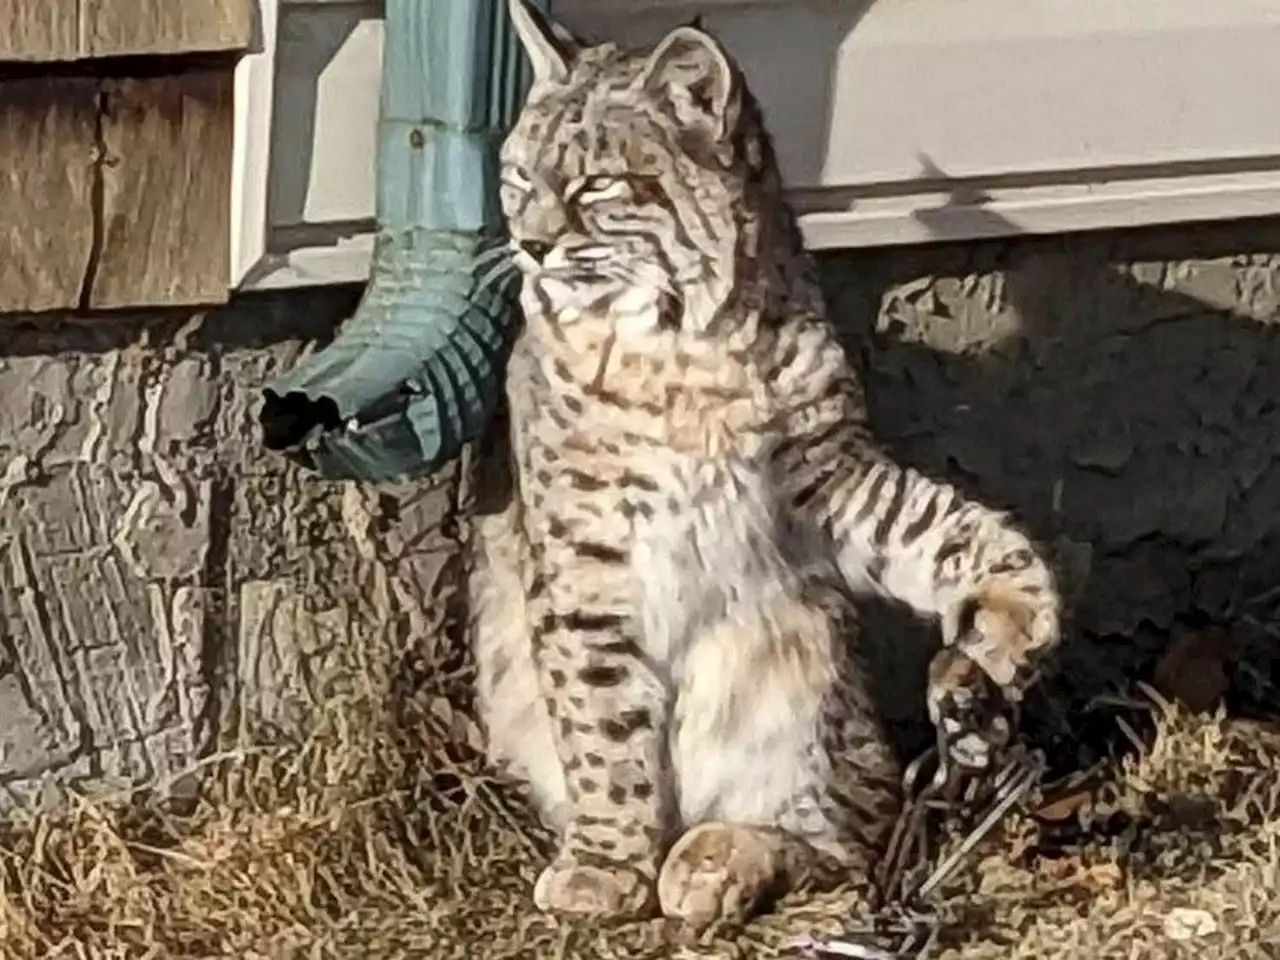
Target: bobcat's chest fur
x: 667, y: 397
x: 650, y: 453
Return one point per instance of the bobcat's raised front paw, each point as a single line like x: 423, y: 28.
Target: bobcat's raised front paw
x: 968, y: 710
x: 613, y: 892
x: 995, y: 641
x: 1007, y: 629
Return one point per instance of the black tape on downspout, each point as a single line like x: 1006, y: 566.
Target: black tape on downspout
x: 417, y: 371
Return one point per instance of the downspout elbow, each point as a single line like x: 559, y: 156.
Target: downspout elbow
x: 416, y: 372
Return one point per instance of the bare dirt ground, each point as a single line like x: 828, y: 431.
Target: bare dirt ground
x: 382, y: 838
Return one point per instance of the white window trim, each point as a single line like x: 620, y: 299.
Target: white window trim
x: 253, y: 267
x: 1195, y: 184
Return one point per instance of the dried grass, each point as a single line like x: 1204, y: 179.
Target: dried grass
x: 382, y: 837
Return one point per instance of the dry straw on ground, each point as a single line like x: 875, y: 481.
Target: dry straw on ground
x: 382, y: 838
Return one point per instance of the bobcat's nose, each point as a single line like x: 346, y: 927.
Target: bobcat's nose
x: 537, y: 249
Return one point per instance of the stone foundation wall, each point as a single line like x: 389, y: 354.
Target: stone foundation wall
x: 163, y: 579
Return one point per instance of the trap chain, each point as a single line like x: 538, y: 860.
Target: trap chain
x: 902, y: 926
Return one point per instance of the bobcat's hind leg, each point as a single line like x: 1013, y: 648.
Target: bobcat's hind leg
x: 512, y: 708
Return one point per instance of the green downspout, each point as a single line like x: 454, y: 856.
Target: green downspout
x: 416, y: 372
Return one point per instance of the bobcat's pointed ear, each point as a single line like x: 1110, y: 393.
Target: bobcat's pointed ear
x: 692, y: 71
x: 550, y: 47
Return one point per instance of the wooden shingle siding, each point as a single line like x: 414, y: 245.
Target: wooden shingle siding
x: 39, y: 29
x: 45, y: 30
x: 130, y: 27
x: 166, y: 186
x: 46, y: 180
x: 117, y: 129
x: 116, y: 190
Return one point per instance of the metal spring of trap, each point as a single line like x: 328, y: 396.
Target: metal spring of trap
x: 902, y: 926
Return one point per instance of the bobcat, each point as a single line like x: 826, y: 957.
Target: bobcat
x: 662, y: 603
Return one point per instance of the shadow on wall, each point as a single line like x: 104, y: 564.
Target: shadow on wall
x: 1120, y: 392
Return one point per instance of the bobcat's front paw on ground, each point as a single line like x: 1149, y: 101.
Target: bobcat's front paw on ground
x: 613, y: 892
x: 720, y: 871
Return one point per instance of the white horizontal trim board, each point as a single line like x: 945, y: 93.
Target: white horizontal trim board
x: 931, y: 216
x: 909, y: 121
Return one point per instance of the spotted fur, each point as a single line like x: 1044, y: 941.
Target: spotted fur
x: 663, y: 603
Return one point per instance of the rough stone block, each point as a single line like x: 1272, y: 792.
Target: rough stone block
x: 164, y: 585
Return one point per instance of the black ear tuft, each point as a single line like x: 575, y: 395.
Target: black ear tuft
x: 550, y: 47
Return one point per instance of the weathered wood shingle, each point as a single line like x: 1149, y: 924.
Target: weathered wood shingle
x: 116, y: 190
x: 166, y: 191
x: 44, y: 30
x: 47, y: 171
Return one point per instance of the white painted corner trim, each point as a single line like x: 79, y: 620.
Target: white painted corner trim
x: 895, y: 121
x: 251, y: 152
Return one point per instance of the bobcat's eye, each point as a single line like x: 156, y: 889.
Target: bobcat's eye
x: 646, y: 190
x: 598, y: 189
x: 515, y: 178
